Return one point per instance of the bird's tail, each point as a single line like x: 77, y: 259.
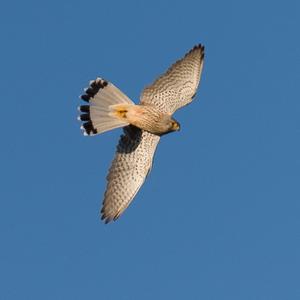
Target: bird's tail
x: 106, y: 109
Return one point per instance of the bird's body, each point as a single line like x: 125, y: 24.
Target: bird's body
x: 143, y: 124
x: 146, y: 117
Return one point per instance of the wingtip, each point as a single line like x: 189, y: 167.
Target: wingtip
x: 197, y: 47
x: 200, y: 47
x: 105, y: 219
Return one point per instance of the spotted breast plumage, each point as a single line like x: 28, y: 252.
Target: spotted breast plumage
x: 143, y: 125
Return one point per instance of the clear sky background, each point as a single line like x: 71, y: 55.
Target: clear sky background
x: 219, y: 216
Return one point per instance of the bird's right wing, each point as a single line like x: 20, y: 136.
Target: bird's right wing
x: 129, y: 169
x: 177, y: 87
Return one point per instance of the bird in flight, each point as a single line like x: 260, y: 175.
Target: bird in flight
x: 143, y: 125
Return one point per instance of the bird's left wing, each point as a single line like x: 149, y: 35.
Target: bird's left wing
x: 129, y: 169
x: 178, y: 86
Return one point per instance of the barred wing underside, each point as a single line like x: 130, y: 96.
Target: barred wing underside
x: 129, y: 169
x: 178, y: 86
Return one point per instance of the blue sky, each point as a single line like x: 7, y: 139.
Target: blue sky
x: 218, y: 217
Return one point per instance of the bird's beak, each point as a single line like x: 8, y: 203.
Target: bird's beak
x: 176, y: 126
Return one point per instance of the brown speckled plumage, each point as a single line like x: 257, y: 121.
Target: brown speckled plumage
x: 128, y: 171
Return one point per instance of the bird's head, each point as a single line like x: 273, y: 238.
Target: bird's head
x: 168, y: 125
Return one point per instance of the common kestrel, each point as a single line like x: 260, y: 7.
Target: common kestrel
x: 144, y: 124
